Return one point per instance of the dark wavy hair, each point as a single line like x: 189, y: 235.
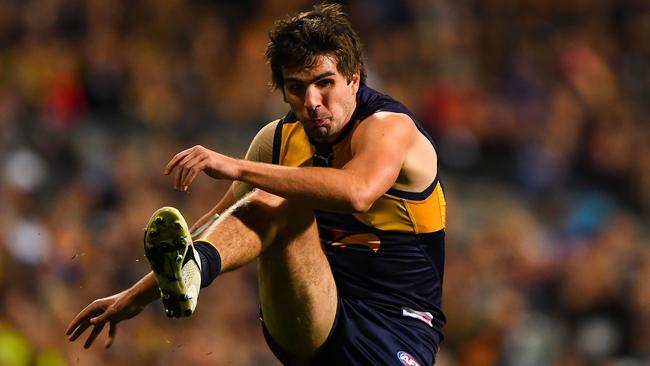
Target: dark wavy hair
x: 298, y: 40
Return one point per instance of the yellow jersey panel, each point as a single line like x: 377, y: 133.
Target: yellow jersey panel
x: 391, y: 213
x: 300, y: 151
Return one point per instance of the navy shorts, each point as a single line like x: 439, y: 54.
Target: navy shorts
x: 366, y: 333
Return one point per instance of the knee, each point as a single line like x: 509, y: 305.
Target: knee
x: 286, y: 215
x: 265, y: 201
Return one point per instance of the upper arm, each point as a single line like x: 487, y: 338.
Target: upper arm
x: 379, y: 147
x: 260, y: 150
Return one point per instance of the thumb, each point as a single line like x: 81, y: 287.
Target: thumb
x: 101, y: 318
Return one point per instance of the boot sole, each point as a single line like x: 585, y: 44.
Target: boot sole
x: 166, y: 242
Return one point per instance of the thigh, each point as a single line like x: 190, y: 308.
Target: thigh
x: 297, y: 290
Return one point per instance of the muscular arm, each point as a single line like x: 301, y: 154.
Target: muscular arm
x: 379, y: 146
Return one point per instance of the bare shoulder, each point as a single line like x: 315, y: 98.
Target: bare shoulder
x: 419, y: 166
x: 398, y: 126
x: 400, y: 120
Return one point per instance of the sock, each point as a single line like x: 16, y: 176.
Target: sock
x: 210, y: 261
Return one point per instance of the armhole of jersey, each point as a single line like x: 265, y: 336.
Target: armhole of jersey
x: 415, y: 196
x: 277, y: 143
x: 424, y: 194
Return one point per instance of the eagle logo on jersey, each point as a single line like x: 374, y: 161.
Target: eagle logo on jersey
x: 342, y: 239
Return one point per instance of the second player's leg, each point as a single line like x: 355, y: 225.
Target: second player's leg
x: 297, y: 290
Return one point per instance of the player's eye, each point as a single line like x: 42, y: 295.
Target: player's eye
x: 294, y: 88
x: 325, y: 82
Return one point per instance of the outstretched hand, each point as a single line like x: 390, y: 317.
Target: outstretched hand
x: 111, y: 310
x: 190, y: 162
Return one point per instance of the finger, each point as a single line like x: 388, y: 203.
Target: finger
x: 73, y: 324
x: 103, y: 317
x: 91, y: 338
x: 182, y: 175
x: 81, y: 321
x: 81, y: 317
x: 186, y: 164
x: 175, y: 160
x: 180, y: 165
x: 79, y: 331
x: 192, y: 169
x: 112, y: 328
x: 193, y: 173
x: 177, y: 178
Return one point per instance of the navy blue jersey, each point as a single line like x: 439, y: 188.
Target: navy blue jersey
x: 388, y: 262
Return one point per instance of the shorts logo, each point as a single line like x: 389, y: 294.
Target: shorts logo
x: 423, y: 316
x: 407, y: 359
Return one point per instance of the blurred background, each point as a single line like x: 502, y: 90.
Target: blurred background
x: 539, y: 109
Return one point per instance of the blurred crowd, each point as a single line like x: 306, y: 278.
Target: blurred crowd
x: 539, y: 110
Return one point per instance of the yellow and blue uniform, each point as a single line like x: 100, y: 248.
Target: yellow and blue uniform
x: 387, y: 262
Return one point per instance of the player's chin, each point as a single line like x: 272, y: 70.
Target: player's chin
x: 319, y: 132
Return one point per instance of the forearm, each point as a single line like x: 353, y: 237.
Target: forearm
x: 144, y: 291
x: 322, y: 188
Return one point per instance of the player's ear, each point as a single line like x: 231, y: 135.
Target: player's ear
x: 355, y: 81
x: 284, y: 95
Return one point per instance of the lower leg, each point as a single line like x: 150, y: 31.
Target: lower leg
x: 246, y: 229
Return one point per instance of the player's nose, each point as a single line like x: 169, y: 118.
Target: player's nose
x: 313, y: 98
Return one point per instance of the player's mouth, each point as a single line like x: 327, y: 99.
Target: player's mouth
x: 318, y: 122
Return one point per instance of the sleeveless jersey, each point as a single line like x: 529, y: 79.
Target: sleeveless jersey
x: 393, y: 254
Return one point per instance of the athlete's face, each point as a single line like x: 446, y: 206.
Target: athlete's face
x: 321, y: 97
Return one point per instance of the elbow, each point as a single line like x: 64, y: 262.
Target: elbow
x: 360, y: 202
